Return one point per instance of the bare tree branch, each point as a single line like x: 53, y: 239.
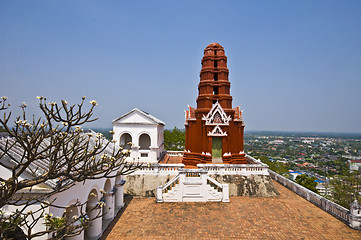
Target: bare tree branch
x: 52, y: 149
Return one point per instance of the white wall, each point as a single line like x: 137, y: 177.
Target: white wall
x: 135, y: 130
x: 81, y: 193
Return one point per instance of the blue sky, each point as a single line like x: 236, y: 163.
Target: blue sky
x: 294, y: 65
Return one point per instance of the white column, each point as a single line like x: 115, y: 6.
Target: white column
x: 182, y: 179
x: 108, y: 209
x: 119, y: 196
x: 355, y: 216
x: 225, y: 193
x: 95, y: 224
x: 160, y: 194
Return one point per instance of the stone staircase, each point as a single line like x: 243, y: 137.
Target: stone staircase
x: 171, y: 195
x: 193, y: 185
x: 213, y: 194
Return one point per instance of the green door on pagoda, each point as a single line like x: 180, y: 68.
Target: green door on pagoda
x: 217, y: 149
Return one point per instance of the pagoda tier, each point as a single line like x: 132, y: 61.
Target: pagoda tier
x: 214, y: 130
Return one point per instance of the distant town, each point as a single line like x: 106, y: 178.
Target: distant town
x: 329, y: 162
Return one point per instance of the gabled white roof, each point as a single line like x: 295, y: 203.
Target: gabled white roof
x: 137, y: 116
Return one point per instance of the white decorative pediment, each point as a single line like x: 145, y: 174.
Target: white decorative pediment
x: 217, y: 132
x: 137, y: 116
x: 217, y: 116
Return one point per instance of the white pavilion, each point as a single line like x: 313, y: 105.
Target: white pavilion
x: 141, y: 132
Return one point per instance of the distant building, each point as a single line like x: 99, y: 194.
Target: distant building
x: 354, y: 165
x: 294, y: 174
x: 277, y: 142
x: 352, y: 157
x: 322, y: 188
x: 308, y: 141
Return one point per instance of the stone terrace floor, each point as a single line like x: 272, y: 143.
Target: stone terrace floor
x: 287, y: 216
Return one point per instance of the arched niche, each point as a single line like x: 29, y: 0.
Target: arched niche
x: 16, y: 234
x: 107, y: 186
x: 125, y: 138
x: 144, y: 141
x: 70, y: 212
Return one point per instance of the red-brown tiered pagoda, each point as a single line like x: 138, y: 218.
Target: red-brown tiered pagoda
x: 214, y: 130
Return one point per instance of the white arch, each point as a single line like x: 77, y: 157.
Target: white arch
x: 143, y: 132
x: 69, y: 212
x: 143, y: 141
x: 124, y: 141
x: 107, y: 185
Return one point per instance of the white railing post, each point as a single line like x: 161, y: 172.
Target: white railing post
x: 225, y: 193
x: 159, y: 194
x: 182, y: 179
x: 355, y: 216
x: 204, y: 190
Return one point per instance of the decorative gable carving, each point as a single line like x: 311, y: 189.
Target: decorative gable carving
x: 217, y: 116
x: 217, y: 132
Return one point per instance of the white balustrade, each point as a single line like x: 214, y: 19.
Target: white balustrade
x: 175, y: 153
x: 235, y: 169
x: 158, y: 169
x: 352, y: 218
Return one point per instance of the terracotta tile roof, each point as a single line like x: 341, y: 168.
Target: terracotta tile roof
x: 355, y: 161
x: 287, y: 216
x: 171, y: 159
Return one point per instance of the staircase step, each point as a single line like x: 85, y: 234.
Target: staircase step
x: 193, y: 192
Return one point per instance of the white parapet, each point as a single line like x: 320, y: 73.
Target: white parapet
x: 236, y: 169
x: 351, y: 217
x: 175, y: 153
x: 221, y: 169
x: 159, y: 169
